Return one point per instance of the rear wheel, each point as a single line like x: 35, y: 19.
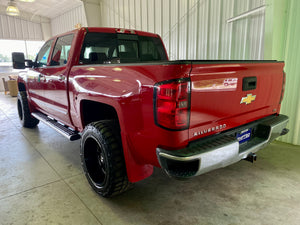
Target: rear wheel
x: 102, y: 158
x: 24, y: 113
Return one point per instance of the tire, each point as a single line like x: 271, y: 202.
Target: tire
x: 102, y: 158
x: 24, y: 113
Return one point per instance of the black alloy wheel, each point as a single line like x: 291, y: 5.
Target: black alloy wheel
x: 102, y: 158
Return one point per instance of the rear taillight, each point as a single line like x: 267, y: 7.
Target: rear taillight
x: 283, y: 87
x: 172, y: 104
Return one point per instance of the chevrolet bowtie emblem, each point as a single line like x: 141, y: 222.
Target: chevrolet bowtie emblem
x: 247, y: 100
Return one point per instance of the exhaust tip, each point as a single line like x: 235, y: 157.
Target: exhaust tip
x: 284, y: 131
x: 251, y: 157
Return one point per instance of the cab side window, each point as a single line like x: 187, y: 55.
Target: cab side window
x: 42, y: 57
x: 61, y: 50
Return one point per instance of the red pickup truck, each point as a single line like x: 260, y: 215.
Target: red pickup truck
x: 134, y: 109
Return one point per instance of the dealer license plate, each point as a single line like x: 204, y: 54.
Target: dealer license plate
x: 244, y: 135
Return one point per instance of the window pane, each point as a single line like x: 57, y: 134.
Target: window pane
x: 43, y: 55
x: 9, y: 46
x: 98, y: 48
x: 128, y: 51
x: 61, y: 50
x: 33, y: 48
x: 151, y: 49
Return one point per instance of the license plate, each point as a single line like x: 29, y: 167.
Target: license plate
x: 244, y: 135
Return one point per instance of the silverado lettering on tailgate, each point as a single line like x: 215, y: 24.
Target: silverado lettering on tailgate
x: 211, y: 129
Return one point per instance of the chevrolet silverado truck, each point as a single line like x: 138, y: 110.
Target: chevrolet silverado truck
x: 133, y: 109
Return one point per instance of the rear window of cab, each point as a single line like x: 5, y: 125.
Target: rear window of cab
x: 107, y: 48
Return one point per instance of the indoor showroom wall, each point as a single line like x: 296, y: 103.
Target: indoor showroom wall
x: 26, y: 27
x: 68, y: 20
x: 193, y: 29
x: 282, y: 43
x: 291, y: 56
x: 86, y: 14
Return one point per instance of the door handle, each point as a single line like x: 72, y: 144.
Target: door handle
x: 41, y: 76
x: 249, y: 83
x: 61, y: 77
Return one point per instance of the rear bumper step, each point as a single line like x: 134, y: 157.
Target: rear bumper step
x: 62, y: 129
x: 221, y: 150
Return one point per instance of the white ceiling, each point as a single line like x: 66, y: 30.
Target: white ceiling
x: 46, y: 8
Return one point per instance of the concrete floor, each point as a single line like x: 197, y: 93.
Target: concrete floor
x: 41, y: 182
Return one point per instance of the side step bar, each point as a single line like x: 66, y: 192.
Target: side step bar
x: 60, y: 128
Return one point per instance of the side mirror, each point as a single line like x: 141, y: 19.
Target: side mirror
x: 18, y: 60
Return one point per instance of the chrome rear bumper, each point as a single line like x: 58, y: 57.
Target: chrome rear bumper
x: 220, y: 150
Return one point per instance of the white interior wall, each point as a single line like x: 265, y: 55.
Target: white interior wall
x: 25, y: 27
x: 193, y: 29
x: 46, y: 29
x: 291, y: 102
x: 67, y: 21
x: 92, y: 12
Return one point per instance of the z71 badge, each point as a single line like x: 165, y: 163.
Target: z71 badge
x: 247, y: 100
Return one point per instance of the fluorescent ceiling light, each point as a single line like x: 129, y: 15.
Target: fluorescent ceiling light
x: 12, y: 9
x: 26, y: 0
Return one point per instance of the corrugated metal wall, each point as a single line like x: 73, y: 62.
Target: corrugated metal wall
x: 193, y: 29
x: 291, y: 103
x: 68, y: 20
x: 18, y: 29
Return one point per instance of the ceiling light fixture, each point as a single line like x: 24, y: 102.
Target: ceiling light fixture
x: 26, y: 0
x: 12, y: 9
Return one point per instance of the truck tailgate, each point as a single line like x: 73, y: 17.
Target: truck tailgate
x: 227, y: 95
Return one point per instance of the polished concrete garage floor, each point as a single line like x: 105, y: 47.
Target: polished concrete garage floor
x: 41, y: 182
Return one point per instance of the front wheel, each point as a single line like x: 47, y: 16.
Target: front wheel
x: 24, y: 113
x: 102, y: 158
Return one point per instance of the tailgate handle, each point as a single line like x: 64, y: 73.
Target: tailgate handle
x: 249, y: 83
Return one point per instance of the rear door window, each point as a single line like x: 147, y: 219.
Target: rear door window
x: 61, y: 50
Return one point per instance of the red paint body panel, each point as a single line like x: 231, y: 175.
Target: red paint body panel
x: 214, y: 104
x: 129, y: 89
x: 216, y: 93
